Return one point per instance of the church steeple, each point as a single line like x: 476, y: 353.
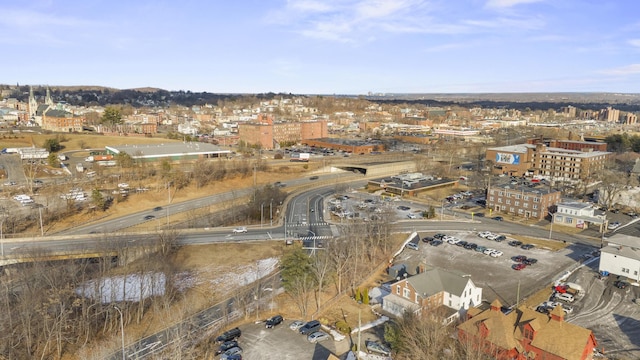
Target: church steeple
x: 33, y: 105
x: 47, y: 100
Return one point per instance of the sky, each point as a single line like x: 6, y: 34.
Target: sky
x: 324, y: 46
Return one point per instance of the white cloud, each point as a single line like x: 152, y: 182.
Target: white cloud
x: 508, y: 3
x: 309, y: 6
x: 631, y: 69
x: 634, y: 42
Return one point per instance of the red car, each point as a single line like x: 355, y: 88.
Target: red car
x: 518, y: 266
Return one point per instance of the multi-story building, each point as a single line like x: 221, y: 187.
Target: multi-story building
x: 62, y: 121
x: 522, y: 200
x: 431, y: 289
x: 525, y: 334
x: 555, y: 163
x: 621, y: 256
x: 269, y: 134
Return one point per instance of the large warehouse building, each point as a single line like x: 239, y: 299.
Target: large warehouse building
x: 170, y: 151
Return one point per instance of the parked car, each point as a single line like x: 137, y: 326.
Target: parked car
x: 498, y: 218
x: 412, y: 216
x: 229, y: 335
x: 488, y: 251
x: 527, y: 246
x: 439, y: 236
x: 480, y: 249
x: 542, y: 309
x: 427, y: 239
x: 519, y: 258
x: 515, y: 243
x: 461, y: 243
x: 614, y: 225
x: 296, y: 325
x: 240, y: 230
x: 621, y: 284
x: 226, y: 346
x: 564, y: 297
x: 500, y: 238
x: 403, y: 208
x: 518, y: 266
x: 436, y: 243
x: 313, y: 178
x: 317, y: 336
x: 496, y: 253
x: 636, y: 301
x: 310, y: 327
x: 412, y: 246
x: 471, y: 246
x: 376, y: 347
x: 231, y: 353
x: 529, y: 261
x: 484, y: 234
x: 273, y: 321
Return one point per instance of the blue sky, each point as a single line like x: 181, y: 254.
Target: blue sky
x: 324, y: 46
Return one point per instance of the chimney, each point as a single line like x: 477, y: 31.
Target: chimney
x: 557, y: 314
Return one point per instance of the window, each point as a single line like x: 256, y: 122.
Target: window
x: 398, y: 290
x: 625, y: 270
x: 508, y: 201
x: 406, y: 293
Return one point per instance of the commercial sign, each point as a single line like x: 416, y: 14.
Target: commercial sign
x: 512, y: 159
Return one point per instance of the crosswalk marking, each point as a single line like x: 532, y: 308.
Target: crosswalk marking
x: 312, y: 224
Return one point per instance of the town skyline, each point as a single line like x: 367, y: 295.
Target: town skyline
x: 328, y: 47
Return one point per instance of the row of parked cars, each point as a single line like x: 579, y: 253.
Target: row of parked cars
x: 468, y: 245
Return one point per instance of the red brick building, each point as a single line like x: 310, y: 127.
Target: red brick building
x: 268, y: 134
x: 525, y: 334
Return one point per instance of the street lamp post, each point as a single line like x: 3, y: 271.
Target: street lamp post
x: 261, y: 213
x: 271, y: 213
x: 2, y: 234
x: 551, y: 227
x: 121, y: 331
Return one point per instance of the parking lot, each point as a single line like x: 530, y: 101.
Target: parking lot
x: 609, y: 312
x: 495, y: 274
x: 281, y: 342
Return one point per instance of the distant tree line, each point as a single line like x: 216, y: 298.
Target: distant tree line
x: 620, y: 143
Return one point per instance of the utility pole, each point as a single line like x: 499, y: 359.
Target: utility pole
x: 271, y: 213
x: 261, y: 213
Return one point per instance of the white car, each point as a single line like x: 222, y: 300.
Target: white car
x: 492, y: 236
x: 496, y: 253
x: 296, y: 325
x: 488, y: 251
x: 454, y: 241
x: 565, y: 297
x: 484, y: 234
x: 412, y: 246
x: 412, y: 216
x: 614, y: 225
x: 240, y: 230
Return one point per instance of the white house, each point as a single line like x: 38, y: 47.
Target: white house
x: 579, y: 215
x: 621, y: 256
x: 433, y: 290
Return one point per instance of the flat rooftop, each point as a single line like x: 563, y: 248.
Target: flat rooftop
x: 168, y: 149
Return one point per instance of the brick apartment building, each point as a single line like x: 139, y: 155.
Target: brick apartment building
x: 269, y: 134
x: 522, y: 200
x: 560, y: 160
x: 62, y: 121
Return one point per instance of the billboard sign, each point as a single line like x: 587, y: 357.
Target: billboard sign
x: 503, y: 158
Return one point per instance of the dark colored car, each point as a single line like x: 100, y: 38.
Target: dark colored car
x: 427, y: 239
x: 157, y: 208
x: 310, y: 327
x: 527, y: 246
x: 376, y: 347
x: 498, y: 218
x: 515, y: 243
x: 518, y: 266
x: 529, y: 261
x: 273, y: 321
x: 478, y: 214
x: 462, y: 243
x: 438, y: 236
x: 500, y: 238
x: 149, y: 217
x: 621, y: 284
x: 229, y: 335
x: 436, y: 243
x: 404, y: 208
x: 542, y: 309
x: 226, y: 346
x: 471, y: 246
x: 313, y: 178
x: 519, y: 258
